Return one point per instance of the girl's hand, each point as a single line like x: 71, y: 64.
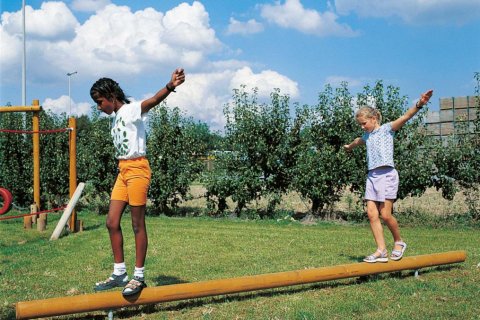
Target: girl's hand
x: 425, y: 97
x: 347, y: 148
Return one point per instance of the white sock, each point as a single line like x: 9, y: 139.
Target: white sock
x: 139, y: 272
x: 119, y: 268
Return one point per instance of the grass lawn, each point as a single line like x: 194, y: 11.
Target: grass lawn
x: 196, y: 249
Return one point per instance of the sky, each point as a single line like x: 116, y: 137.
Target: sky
x: 297, y: 46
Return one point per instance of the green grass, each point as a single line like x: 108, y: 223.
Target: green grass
x: 196, y: 249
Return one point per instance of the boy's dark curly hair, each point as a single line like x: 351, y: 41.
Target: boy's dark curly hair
x: 109, y: 89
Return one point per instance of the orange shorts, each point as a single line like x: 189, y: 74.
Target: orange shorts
x: 132, y: 181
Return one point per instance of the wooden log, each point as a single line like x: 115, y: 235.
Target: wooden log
x: 68, y: 211
x: 112, y: 300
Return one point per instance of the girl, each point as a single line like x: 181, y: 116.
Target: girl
x: 382, y: 180
x: 131, y: 185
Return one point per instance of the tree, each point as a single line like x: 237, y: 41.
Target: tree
x: 174, y: 144
x: 261, y: 140
x: 457, y: 160
x: 323, y: 169
x: 16, y: 158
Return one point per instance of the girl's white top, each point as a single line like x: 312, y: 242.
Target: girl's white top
x: 128, y: 131
x: 380, y: 146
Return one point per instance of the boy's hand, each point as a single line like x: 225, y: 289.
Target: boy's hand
x: 347, y: 148
x: 424, y: 98
x: 178, y: 77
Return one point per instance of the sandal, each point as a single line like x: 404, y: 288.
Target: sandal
x: 398, y: 254
x: 383, y: 257
x: 134, y: 286
x: 112, y: 282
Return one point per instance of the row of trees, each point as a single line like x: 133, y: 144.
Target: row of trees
x: 266, y: 150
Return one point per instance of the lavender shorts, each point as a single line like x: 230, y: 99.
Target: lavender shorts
x: 382, y: 183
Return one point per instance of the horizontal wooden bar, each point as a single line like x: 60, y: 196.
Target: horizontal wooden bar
x: 20, y: 109
x: 113, y: 300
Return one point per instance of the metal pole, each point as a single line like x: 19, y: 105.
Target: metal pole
x: 113, y: 300
x: 70, y: 74
x: 24, y: 61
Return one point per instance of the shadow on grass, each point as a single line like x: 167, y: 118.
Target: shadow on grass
x: 135, y: 312
x: 93, y: 227
x: 164, y: 280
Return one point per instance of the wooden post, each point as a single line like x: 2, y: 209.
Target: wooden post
x: 42, y: 220
x: 72, y: 224
x: 68, y: 211
x: 112, y: 300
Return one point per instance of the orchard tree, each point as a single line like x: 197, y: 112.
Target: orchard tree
x: 323, y: 169
x: 262, y: 141
x: 16, y: 169
x: 174, y: 147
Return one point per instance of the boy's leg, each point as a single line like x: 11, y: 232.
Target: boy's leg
x: 119, y: 276
x: 140, y: 232
x: 375, y: 224
x: 115, y: 230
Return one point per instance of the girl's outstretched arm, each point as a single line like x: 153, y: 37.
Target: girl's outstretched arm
x: 178, y: 77
x: 397, y: 124
x: 355, y: 143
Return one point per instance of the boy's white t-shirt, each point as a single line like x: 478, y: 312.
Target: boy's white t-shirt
x: 380, y: 146
x: 128, y: 131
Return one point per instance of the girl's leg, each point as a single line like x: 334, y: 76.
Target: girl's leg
x: 386, y: 210
x: 140, y: 232
x: 115, y: 230
x: 375, y: 224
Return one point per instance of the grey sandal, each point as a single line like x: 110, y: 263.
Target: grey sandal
x: 377, y: 256
x: 134, y: 286
x: 398, y: 254
x: 112, y: 282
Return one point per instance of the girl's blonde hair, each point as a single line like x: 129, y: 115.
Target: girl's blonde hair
x: 369, y: 113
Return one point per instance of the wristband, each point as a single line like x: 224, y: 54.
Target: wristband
x: 170, y: 89
x: 418, y: 106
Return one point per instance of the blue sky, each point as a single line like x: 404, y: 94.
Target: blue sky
x: 297, y: 46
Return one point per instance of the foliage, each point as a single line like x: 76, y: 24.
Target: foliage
x: 267, y: 150
x: 96, y: 164
x: 54, y: 161
x: 262, y: 145
x: 16, y: 159
x: 95, y: 152
x: 323, y: 169
x: 458, y: 161
x: 174, y: 145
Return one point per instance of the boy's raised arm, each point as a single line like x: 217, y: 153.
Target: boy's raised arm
x: 178, y: 77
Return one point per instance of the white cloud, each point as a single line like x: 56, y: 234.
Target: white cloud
x: 62, y: 105
x: 293, y: 15
x: 89, y: 5
x: 134, y: 47
x: 203, y: 95
x: 265, y: 81
x: 53, y: 21
x: 244, y: 28
x: 414, y: 11
x: 10, y: 57
x: 113, y: 41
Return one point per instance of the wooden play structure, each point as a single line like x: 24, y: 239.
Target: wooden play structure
x: 114, y: 299
x: 35, y: 108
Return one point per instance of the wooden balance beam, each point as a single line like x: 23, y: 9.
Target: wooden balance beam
x: 114, y: 299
